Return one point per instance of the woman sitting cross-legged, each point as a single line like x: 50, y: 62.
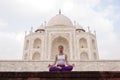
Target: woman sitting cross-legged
x: 61, y: 60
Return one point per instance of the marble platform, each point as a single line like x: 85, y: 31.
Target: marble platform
x: 21, y: 66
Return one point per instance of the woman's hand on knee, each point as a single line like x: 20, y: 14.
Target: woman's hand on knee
x: 73, y: 65
x: 49, y: 65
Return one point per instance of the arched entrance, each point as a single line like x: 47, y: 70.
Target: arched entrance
x: 95, y: 56
x: 83, y: 43
x: 25, y: 56
x: 27, y: 45
x: 37, y: 43
x: 36, y: 56
x: 84, y: 56
x: 54, y: 47
x: 93, y: 44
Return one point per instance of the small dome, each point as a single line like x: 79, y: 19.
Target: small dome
x: 79, y: 28
x: 40, y: 28
x: 60, y: 20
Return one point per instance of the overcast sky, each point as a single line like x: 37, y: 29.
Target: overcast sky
x: 17, y: 16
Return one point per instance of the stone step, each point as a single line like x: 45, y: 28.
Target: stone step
x: 74, y: 75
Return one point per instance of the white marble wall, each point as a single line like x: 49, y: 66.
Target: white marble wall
x: 103, y: 65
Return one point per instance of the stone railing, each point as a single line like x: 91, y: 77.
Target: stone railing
x: 102, y: 65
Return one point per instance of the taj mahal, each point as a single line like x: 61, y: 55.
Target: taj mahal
x: 42, y: 44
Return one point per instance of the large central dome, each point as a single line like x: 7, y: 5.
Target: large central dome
x: 60, y: 20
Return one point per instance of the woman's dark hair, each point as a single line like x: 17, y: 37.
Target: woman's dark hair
x: 60, y: 46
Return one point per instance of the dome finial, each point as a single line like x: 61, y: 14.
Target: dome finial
x: 59, y: 11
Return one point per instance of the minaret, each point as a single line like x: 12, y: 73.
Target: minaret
x: 59, y: 11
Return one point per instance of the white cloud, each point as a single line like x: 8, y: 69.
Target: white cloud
x: 2, y: 24
x: 11, y: 45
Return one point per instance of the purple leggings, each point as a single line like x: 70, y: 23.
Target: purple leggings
x: 64, y: 68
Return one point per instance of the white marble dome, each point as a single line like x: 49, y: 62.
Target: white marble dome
x: 60, y: 20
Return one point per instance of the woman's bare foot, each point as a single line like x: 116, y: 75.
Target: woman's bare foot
x: 59, y: 67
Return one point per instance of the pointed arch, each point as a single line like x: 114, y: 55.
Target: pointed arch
x: 26, y: 44
x: 37, y: 43
x: 36, y: 56
x: 84, y: 56
x: 59, y: 41
x: 93, y: 44
x: 83, y: 43
x: 25, y: 56
x: 95, y: 56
